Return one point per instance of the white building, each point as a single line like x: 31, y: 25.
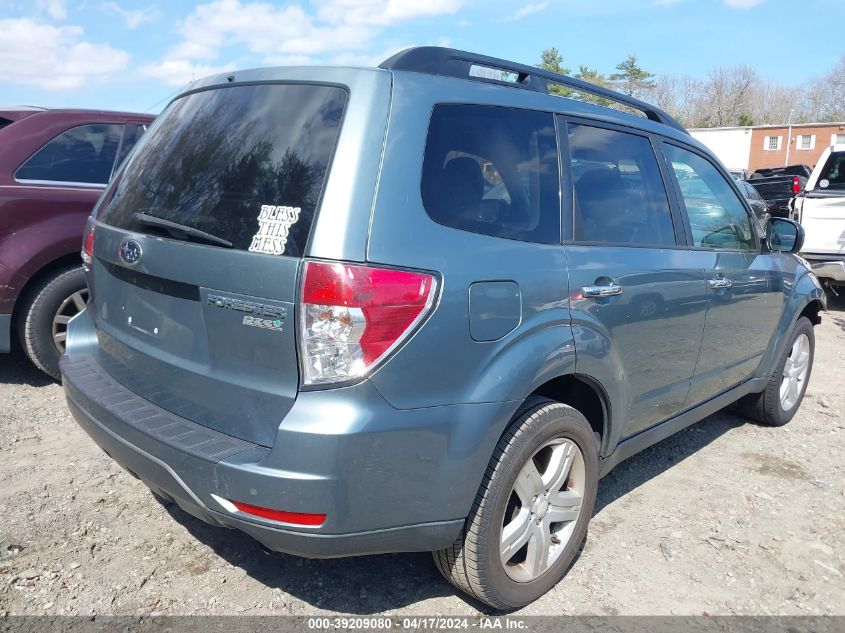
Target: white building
x: 732, y: 145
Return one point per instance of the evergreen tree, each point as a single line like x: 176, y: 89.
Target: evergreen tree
x: 551, y: 59
x: 593, y: 76
x: 631, y: 79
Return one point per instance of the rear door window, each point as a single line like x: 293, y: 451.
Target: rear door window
x: 131, y: 135
x: 750, y: 192
x: 717, y: 216
x: 493, y: 170
x: 243, y: 163
x: 82, y: 155
x: 619, y: 196
x: 832, y: 175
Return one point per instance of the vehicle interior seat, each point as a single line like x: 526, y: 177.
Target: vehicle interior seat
x: 600, y: 204
x: 458, y: 193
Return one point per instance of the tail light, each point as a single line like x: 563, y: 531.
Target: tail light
x: 352, y: 317
x: 88, y: 244
x: 796, y: 184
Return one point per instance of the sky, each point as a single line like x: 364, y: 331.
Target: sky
x: 136, y: 55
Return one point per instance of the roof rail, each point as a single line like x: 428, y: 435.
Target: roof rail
x: 449, y: 62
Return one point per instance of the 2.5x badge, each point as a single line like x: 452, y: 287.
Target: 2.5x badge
x: 266, y: 324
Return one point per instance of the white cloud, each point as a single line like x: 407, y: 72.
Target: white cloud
x: 54, y: 8
x: 289, y: 60
x: 179, y: 72
x: 280, y: 33
x: 54, y: 57
x: 367, y: 59
x: 743, y: 4
x: 383, y: 12
x: 733, y: 4
x: 133, y: 18
x: 527, y: 9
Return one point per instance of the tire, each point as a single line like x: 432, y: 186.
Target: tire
x: 58, y: 291
x: 473, y: 563
x: 767, y: 407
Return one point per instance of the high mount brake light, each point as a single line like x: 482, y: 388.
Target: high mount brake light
x: 352, y: 317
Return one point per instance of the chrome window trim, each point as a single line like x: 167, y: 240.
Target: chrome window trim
x: 62, y: 183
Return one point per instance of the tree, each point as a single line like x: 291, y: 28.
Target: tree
x: 726, y: 95
x: 826, y: 98
x: 551, y: 59
x: 593, y: 76
x: 770, y: 103
x: 631, y: 79
x: 678, y: 96
x: 745, y: 119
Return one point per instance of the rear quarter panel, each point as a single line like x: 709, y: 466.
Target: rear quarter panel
x: 442, y: 364
x: 38, y: 225
x: 41, y: 223
x: 823, y: 217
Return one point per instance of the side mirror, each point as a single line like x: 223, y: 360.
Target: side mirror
x: 784, y: 236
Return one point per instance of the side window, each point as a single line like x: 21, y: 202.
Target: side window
x: 717, y: 217
x: 832, y: 175
x: 619, y: 193
x: 83, y: 154
x: 493, y: 170
x: 131, y: 135
x: 750, y: 192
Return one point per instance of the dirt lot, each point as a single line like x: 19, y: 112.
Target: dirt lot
x: 723, y: 518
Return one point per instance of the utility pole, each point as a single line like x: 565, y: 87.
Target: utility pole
x: 788, y: 138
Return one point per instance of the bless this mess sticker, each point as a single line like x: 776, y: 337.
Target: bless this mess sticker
x: 274, y: 224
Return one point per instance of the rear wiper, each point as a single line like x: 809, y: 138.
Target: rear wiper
x: 180, y: 230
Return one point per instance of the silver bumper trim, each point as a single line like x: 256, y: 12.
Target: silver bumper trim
x: 829, y: 270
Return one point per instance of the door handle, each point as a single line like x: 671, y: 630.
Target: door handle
x: 719, y: 282
x: 594, y: 292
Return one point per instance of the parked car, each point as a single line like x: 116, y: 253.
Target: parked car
x: 53, y: 165
x: 779, y: 185
x: 803, y: 171
x: 312, y: 320
x: 820, y: 209
x: 758, y: 205
x: 739, y: 174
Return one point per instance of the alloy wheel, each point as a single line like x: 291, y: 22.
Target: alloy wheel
x: 795, y: 371
x: 542, y: 510
x: 68, y: 309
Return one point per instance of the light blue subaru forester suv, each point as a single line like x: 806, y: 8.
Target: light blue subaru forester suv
x: 424, y: 307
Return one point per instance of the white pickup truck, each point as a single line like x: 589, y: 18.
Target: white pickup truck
x: 820, y: 209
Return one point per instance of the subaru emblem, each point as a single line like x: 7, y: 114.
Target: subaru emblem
x: 129, y: 251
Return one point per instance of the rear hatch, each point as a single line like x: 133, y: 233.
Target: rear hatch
x: 198, y: 244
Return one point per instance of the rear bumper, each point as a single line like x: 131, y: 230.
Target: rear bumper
x: 829, y: 269
x: 388, y: 480
x: 5, y: 333
x: 188, y: 463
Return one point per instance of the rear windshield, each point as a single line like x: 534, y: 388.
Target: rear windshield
x: 832, y: 175
x: 246, y: 164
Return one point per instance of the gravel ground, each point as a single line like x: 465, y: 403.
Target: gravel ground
x: 723, y: 518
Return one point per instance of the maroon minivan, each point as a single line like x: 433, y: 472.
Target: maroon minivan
x: 53, y: 166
